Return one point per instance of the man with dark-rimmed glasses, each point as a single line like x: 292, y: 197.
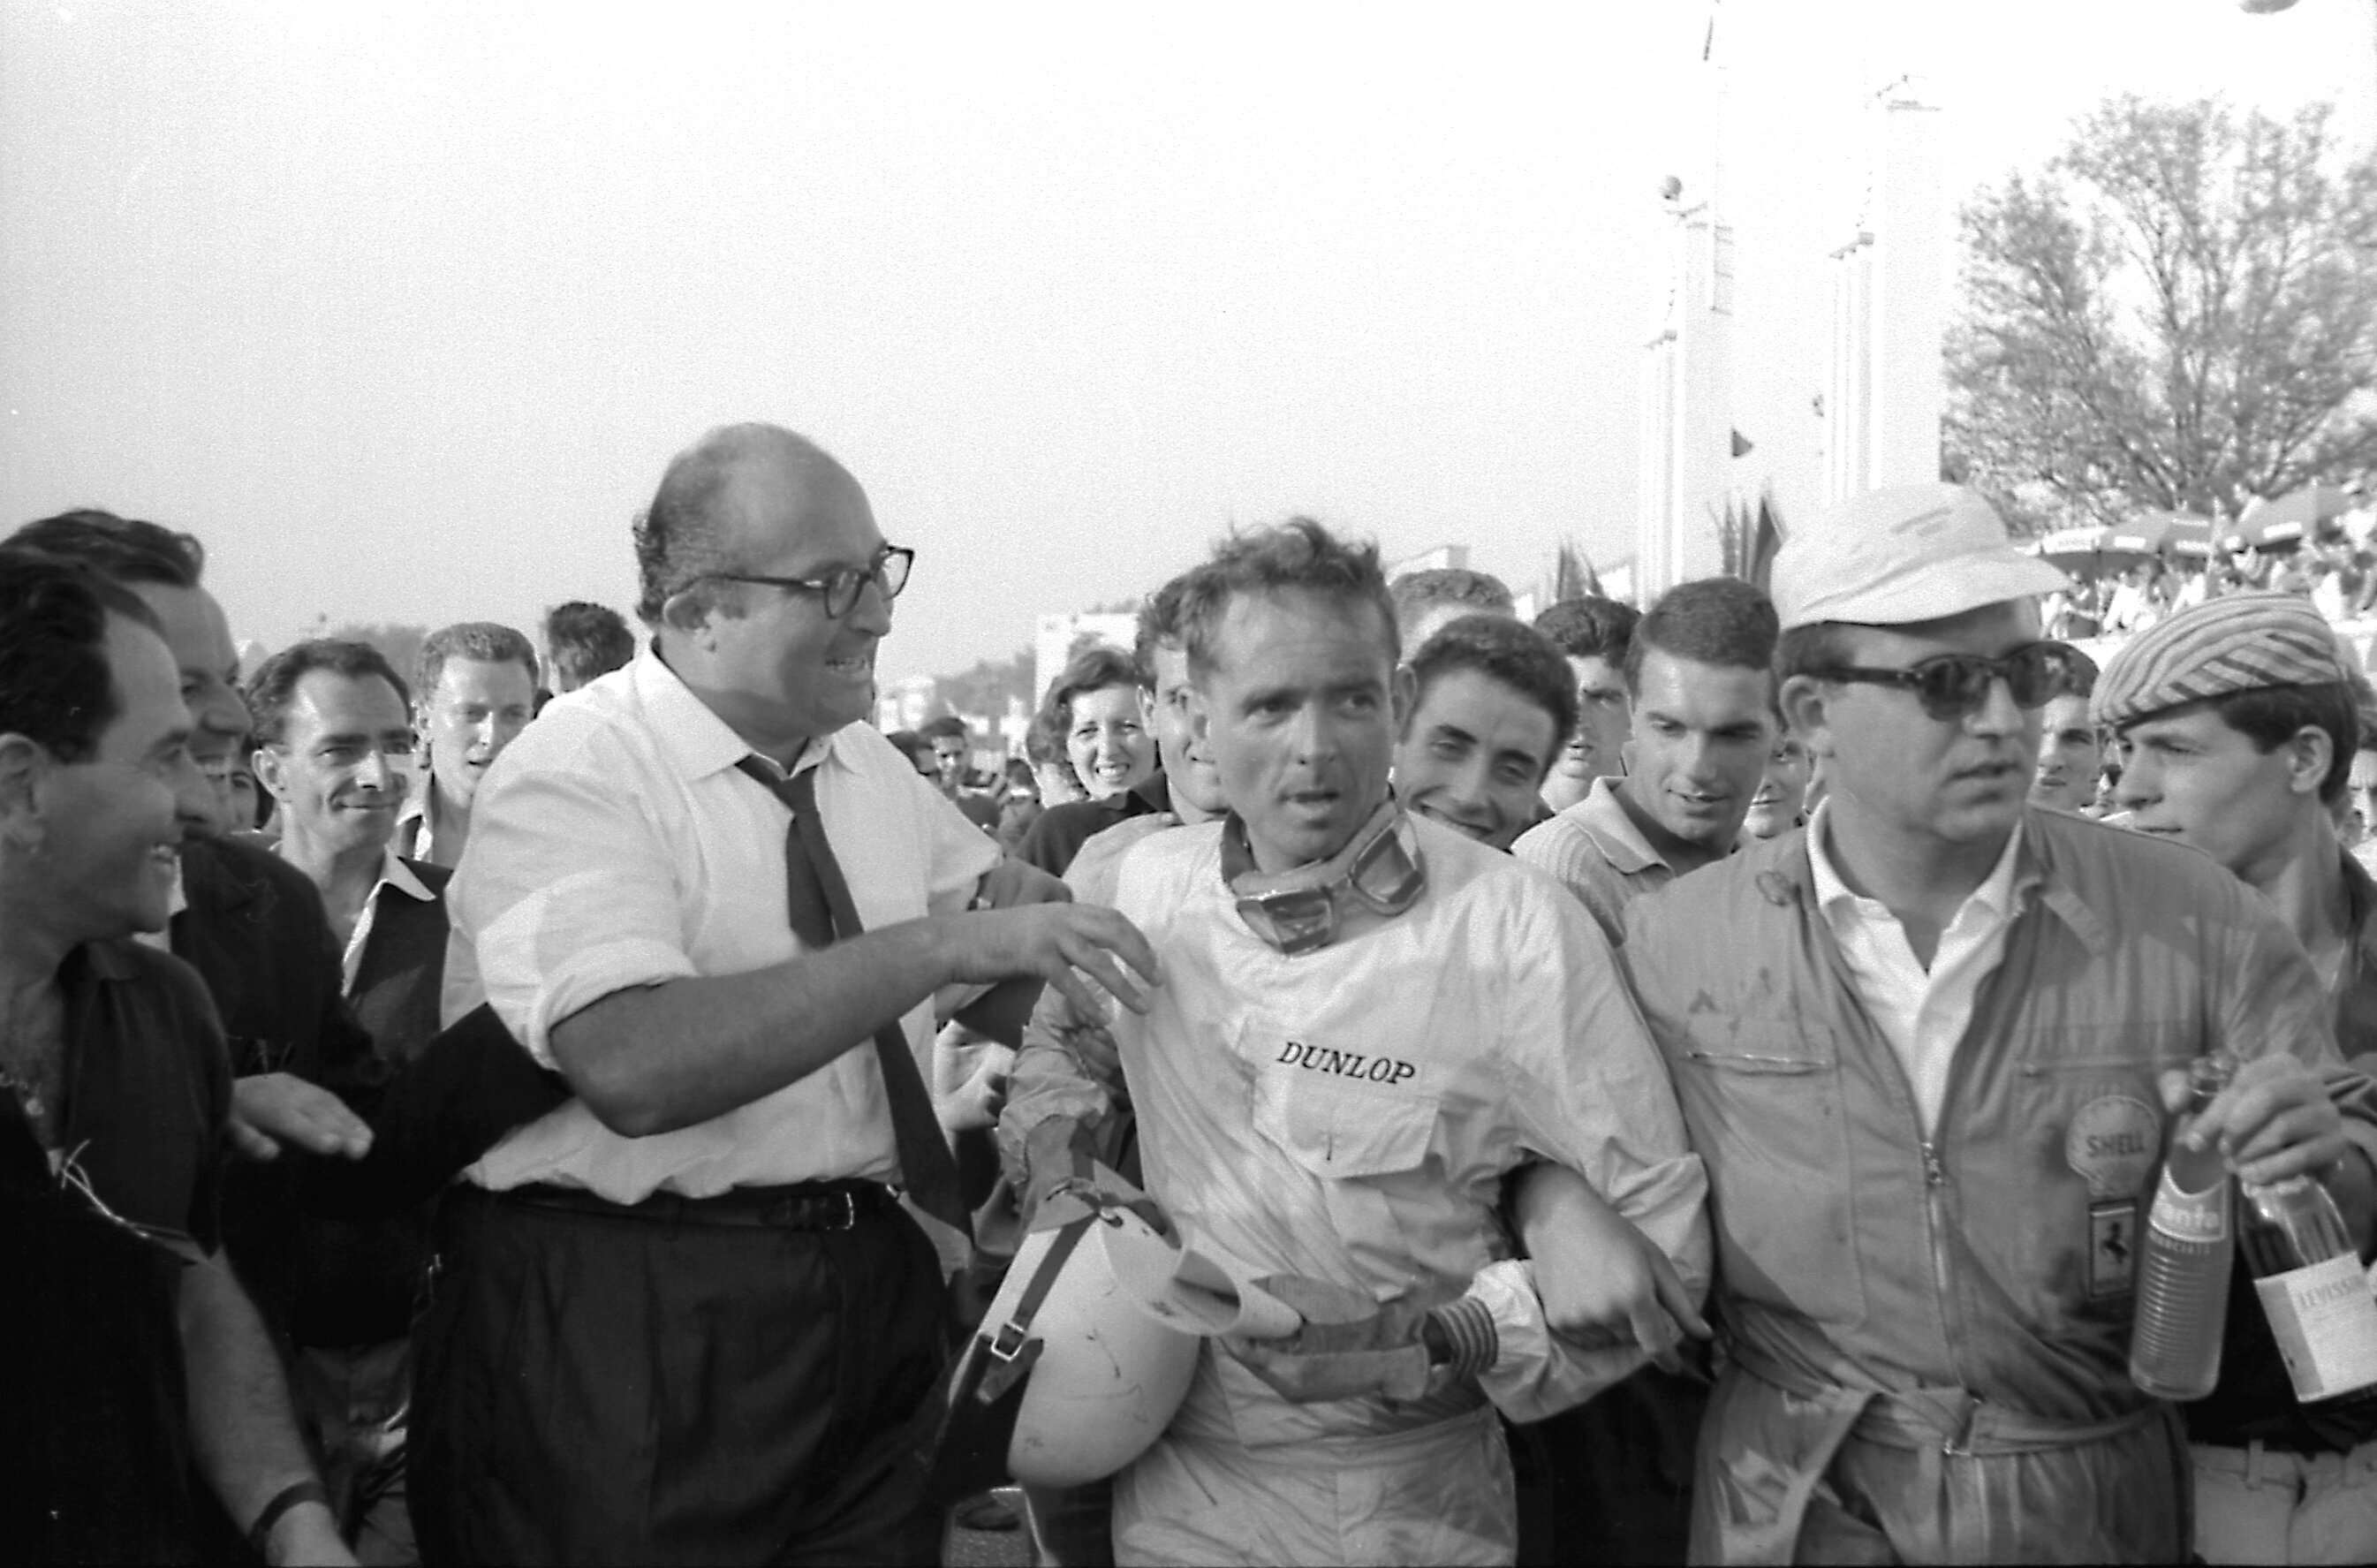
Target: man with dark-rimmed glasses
x: 689, y: 1315
x: 1927, y: 1049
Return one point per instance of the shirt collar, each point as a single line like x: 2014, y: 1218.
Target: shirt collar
x: 393, y: 873
x: 696, y: 741
x: 2014, y: 875
x: 1604, y: 819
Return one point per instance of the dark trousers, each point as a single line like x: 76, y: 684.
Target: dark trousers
x: 594, y: 1385
x: 1611, y: 1480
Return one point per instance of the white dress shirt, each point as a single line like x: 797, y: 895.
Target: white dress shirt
x: 616, y: 844
x: 1922, y: 1014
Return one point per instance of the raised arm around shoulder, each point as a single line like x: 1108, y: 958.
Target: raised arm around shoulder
x: 731, y: 1039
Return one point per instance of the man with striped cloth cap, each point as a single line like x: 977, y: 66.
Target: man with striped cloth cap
x: 2237, y: 723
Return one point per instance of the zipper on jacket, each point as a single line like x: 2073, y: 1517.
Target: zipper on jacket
x: 1935, y: 1209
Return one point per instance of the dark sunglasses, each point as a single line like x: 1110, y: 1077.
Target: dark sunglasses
x: 1954, y: 686
x: 840, y: 588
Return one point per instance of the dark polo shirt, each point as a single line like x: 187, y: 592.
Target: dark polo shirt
x: 94, y: 1445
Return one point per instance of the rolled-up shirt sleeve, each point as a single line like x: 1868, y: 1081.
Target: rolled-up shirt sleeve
x: 566, y: 894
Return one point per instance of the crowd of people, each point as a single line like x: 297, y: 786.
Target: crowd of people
x: 2335, y: 572
x: 1677, y: 1085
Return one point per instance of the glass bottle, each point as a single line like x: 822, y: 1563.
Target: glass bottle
x: 2190, y: 1243
x: 2313, y: 1290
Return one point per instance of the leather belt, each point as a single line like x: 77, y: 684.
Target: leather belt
x: 807, y: 1205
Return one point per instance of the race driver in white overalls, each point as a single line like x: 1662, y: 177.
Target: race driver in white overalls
x: 1366, y: 1022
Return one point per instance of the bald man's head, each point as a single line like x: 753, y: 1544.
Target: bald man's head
x: 737, y: 479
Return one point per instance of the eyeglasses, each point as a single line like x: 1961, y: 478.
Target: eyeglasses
x: 1955, y: 686
x: 840, y: 588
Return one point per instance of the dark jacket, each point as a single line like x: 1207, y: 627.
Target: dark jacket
x: 1061, y: 830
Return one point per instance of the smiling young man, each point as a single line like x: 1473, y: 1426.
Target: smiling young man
x: 1901, y: 1040
x: 721, y: 906
x: 1703, y: 699
x: 136, y: 1348
x: 2236, y: 721
x: 1495, y: 704
x: 1368, y: 1020
x: 335, y: 748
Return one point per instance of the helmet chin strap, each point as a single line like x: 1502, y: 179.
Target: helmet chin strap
x: 1380, y: 870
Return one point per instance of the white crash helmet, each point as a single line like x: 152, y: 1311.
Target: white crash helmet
x: 1104, y: 1376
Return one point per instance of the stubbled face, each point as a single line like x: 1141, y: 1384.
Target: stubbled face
x: 112, y: 824
x: 2187, y: 775
x: 2070, y: 756
x: 479, y: 707
x: 1960, y: 781
x: 345, y: 764
x: 1300, y: 709
x: 1107, y: 739
x: 1604, y: 716
x: 1473, y: 755
x: 1782, y: 794
x: 1188, y: 772
x: 1703, y: 734
x: 199, y: 637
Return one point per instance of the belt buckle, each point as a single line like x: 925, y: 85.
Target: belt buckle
x: 849, y: 1211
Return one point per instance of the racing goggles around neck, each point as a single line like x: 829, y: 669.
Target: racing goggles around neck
x: 1299, y: 911
x: 1957, y: 686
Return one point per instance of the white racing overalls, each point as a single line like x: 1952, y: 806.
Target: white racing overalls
x: 1930, y: 1337
x: 1349, y: 1115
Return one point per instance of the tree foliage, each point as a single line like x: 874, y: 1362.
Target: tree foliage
x: 2180, y: 311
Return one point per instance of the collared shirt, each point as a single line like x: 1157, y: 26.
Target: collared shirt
x: 416, y: 823
x: 1922, y: 1012
x: 393, y: 874
x: 1599, y: 855
x: 616, y: 844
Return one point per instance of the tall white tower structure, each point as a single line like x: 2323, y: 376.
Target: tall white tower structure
x: 1885, y: 387
x: 1797, y: 352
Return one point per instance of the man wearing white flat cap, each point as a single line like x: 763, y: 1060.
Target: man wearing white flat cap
x: 1928, y: 1066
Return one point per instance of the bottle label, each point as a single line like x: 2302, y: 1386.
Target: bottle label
x: 2198, y: 1217
x: 2325, y: 1318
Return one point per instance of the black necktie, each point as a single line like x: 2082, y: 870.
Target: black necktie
x: 820, y: 909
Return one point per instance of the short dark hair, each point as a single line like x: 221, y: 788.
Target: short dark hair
x: 1159, y: 626
x: 2269, y: 716
x: 1813, y: 649
x: 124, y: 548
x: 918, y: 749
x: 949, y: 725
x: 485, y: 641
x: 680, y: 538
x: 1093, y: 667
x: 1712, y: 620
x: 1590, y: 627
x: 1296, y: 557
x: 1500, y: 649
x: 587, y: 640
x: 275, y: 685
x: 1416, y: 592
x: 56, y: 686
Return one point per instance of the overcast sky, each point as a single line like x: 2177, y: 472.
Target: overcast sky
x: 401, y: 308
